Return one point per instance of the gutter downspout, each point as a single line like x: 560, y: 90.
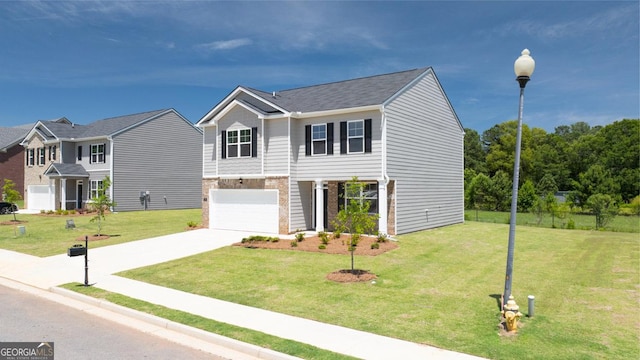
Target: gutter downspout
x: 110, y: 170
x: 382, y: 186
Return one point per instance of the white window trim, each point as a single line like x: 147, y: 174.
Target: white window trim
x: 42, y: 157
x: 97, y: 153
x: 349, y: 137
x: 239, y: 143
x: 313, y: 140
x: 93, y: 190
x: 31, y: 157
x: 361, y: 195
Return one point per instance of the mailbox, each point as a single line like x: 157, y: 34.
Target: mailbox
x: 77, y: 250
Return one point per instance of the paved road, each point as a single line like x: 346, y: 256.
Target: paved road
x: 79, y: 335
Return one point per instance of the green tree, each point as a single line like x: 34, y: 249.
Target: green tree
x: 604, y: 207
x: 474, y: 153
x: 10, y: 194
x: 478, y: 193
x: 355, y: 218
x: 101, y: 202
x: 527, y: 196
x: 596, y: 180
x: 547, y: 185
x: 501, y: 191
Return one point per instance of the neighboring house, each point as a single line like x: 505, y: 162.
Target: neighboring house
x: 153, y: 160
x: 277, y: 162
x: 11, y: 156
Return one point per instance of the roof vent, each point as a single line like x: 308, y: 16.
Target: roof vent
x: 273, y: 94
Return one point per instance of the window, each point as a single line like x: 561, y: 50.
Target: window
x: 52, y: 152
x: 41, y: 156
x: 97, y: 153
x: 355, y: 136
x: 79, y: 153
x: 30, y: 157
x: 96, y: 187
x: 239, y: 143
x: 369, y: 192
x: 319, y: 139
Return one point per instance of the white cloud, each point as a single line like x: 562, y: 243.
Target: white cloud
x: 224, y: 44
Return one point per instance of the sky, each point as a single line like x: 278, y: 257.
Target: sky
x: 91, y: 60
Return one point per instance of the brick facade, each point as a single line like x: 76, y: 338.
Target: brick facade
x: 12, y: 168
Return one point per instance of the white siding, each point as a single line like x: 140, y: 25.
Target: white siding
x: 235, y: 119
x: 276, y: 147
x: 209, y: 151
x: 425, y: 157
x: 338, y: 166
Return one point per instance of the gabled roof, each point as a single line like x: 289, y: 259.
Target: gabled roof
x: 372, y: 90
x: 11, y: 136
x: 56, y: 170
x: 348, y: 94
x: 66, y: 130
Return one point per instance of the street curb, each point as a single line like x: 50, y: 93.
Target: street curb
x: 229, y: 343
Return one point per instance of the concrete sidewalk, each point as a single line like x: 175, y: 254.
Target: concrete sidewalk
x: 46, y: 273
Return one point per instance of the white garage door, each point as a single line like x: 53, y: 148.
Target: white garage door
x: 40, y: 197
x: 246, y: 210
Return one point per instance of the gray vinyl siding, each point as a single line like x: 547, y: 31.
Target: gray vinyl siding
x: 86, y: 154
x: 338, y: 166
x: 300, y: 205
x: 276, y: 147
x: 425, y: 157
x: 67, y: 153
x: 236, y: 119
x: 162, y: 156
x: 209, y: 151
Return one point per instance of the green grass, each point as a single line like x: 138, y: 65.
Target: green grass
x: 46, y: 235
x: 621, y: 223
x: 248, y: 336
x: 441, y: 288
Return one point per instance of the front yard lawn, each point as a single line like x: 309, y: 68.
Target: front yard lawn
x: 441, y: 287
x: 47, y: 235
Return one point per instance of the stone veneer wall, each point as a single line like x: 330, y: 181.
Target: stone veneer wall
x: 34, y: 175
x: 280, y: 183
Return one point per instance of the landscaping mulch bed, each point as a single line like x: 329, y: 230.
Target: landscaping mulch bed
x: 335, y: 246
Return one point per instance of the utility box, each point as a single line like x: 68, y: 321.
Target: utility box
x: 77, y: 250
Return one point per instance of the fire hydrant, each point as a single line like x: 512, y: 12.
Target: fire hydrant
x: 511, y: 314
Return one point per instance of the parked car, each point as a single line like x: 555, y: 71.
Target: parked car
x: 7, y: 208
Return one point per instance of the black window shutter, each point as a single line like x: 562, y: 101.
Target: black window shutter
x: 90, y: 154
x: 79, y: 153
x: 223, y: 148
x: 26, y: 152
x: 367, y: 135
x: 254, y: 142
x: 330, y: 139
x: 340, y: 196
x: 343, y: 137
x: 307, y: 140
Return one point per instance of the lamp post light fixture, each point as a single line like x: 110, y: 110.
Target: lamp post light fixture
x: 523, y: 68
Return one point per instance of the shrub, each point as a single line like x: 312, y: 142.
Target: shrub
x: 192, y: 224
x: 324, y: 237
x: 322, y: 246
x: 382, y: 238
x: 42, y: 212
x: 375, y: 245
x: 259, y: 238
x: 571, y: 224
x: 72, y: 212
x: 300, y: 236
x: 294, y: 243
x: 337, y: 233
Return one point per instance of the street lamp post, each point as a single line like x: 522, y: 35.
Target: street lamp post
x: 523, y: 68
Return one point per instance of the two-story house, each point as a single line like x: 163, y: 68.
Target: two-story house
x: 277, y: 162
x: 11, y: 156
x: 153, y: 160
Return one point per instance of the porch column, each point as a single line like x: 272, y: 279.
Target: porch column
x: 382, y: 207
x: 63, y: 193
x: 319, y: 206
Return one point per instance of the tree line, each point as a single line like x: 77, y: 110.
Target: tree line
x: 596, y: 167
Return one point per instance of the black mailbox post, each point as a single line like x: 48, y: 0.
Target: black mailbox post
x: 78, y: 250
